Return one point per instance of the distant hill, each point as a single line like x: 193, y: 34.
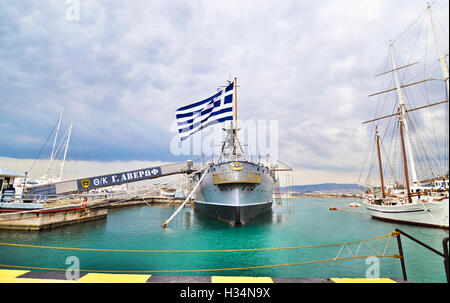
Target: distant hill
x: 326, y: 188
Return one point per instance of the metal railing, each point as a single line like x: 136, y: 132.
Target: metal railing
x: 8, y: 197
x: 402, y: 257
x: 42, y: 199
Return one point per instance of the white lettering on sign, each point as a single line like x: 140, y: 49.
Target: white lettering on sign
x: 124, y: 177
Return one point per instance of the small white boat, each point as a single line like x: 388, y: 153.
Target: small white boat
x: 432, y: 214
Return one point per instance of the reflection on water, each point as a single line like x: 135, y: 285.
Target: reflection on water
x: 277, y: 218
x: 189, y: 217
x: 192, y: 217
x: 199, y: 219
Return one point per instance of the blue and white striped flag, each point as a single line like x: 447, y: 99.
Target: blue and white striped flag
x: 197, y: 116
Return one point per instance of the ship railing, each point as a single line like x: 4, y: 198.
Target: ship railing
x: 8, y: 197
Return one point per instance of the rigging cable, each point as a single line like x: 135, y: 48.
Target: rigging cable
x: 45, y: 144
x: 371, y: 144
x: 407, y: 29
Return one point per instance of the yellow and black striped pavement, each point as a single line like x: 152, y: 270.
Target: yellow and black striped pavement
x: 26, y: 276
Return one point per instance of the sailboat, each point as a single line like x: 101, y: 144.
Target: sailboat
x: 59, y: 152
x: 417, y: 201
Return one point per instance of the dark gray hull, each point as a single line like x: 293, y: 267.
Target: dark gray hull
x: 236, y: 194
x: 235, y: 215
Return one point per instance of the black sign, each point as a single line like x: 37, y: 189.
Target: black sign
x: 119, y: 178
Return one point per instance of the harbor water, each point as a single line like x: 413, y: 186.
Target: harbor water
x: 296, y: 223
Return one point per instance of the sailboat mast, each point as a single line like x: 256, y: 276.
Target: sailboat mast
x: 235, y: 118
x: 377, y: 135
x: 405, y: 163
x: 65, y: 151
x: 54, y: 144
x: 402, y: 103
x: 444, y: 66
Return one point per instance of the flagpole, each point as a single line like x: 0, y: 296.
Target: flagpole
x: 235, y: 117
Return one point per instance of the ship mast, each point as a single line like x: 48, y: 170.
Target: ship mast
x: 405, y: 163
x: 235, y: 119
x: 404, y: 122
x: 444, y: 66
x: 54, y: 144
x: 377, y: 135
x: 231, y: 144
x: 65, y: 151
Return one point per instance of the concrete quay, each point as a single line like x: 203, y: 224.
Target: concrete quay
x: 65, y: 214
x: 52, y: 217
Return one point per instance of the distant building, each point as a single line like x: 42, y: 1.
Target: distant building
x: 7, y: 177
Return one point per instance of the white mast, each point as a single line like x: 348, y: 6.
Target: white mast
x: 65, y: 151
x: 444, y: 66
x: 54, y: 144
x: 402, y: 103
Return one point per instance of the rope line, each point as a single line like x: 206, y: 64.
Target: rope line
x: 393, y: 234
x: 205, y: 270
x: 197, y: 251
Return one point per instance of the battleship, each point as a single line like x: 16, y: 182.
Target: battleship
x: 231, y: 188
x: 234, y: 189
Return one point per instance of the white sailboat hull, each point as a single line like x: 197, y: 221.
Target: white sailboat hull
x: 433, y: 214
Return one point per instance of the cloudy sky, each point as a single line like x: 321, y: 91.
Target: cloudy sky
x: 121, y: 69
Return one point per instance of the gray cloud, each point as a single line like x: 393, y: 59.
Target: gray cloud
x: 125, y: 66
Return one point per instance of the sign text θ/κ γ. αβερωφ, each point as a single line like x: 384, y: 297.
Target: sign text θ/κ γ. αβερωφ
x: 119, y: 178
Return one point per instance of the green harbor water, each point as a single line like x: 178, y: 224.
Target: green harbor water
x: 297, y: 222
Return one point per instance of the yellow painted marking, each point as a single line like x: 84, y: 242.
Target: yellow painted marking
x: 230, y: 279
x: 9, y: 274
x: 26, y: 280
x: 361, y: 280
x: 113, y: 278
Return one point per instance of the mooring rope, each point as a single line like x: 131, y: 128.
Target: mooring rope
x: 198, y: 270
x: 393, y: 234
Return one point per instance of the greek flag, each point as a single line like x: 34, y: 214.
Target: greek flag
x: 197, y: 116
